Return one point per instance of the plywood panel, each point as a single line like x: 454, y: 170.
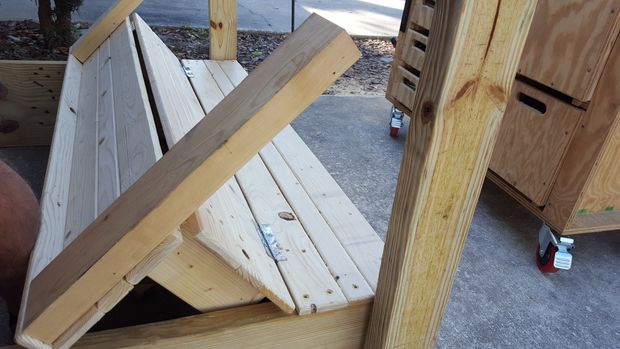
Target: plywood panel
x: 29, y: 95
x: 569, y: 44
x: 602, y: 194
x: 532, y: 142
x: 588, y: 144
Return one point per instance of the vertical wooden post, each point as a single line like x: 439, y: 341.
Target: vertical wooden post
x: 222, y: 29
x: 471, y: 62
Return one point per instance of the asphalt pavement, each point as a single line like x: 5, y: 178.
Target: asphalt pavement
x: 358, y: 17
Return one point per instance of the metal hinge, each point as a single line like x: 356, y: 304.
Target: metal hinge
x: 272, y: 246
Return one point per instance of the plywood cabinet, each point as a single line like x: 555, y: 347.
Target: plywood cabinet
x: 569, y: 43
x: 563, y: 164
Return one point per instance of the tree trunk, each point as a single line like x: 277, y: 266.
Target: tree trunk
x: 45, y: 18
x: 64, y: 28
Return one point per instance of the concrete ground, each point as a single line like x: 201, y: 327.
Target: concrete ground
x: 499, y: 298
x: 358, y: 17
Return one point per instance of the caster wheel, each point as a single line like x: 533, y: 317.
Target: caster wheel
x: 545, y: 263
x: 394, y: 132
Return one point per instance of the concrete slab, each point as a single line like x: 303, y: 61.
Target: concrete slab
x: 499, y: 298
x: 358, y: 17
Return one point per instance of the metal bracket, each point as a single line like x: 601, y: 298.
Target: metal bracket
x: 563, y: 259
x: 188, y: 71
x: 271, y: 243
x: 396, y: 117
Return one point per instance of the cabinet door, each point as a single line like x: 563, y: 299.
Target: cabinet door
x: 534, y: 137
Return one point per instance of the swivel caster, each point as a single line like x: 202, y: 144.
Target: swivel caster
x: 553, y: 254
x: 396, y: 121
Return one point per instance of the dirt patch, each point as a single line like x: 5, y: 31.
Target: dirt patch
x: 369, y: 76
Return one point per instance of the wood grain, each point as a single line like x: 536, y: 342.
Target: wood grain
x: 29, y: 95
x: 227, y: 211
x: 202, y: 279
x: 54, y: 200
x: 351, y: 228
x: 470, y: 63
x: 222, y: 29
x: 136, y: 137
x: 227, y: 226
x: 587, y: 146
x: 82, y: 204
x: 277, y: 91
x: 310, y: 283
x: 531, y: 145
x: 569, y: 44
x: 108, y: 186
x: 253, y: 327
x: 102, y: 28
x: 343, y: 269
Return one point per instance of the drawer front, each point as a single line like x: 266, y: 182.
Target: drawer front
x: 534, y: 137
x: 569, y: 43
x: 410, y: 52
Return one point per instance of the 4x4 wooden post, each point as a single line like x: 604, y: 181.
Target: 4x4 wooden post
x: 223, y: 29
x: 471, y: 61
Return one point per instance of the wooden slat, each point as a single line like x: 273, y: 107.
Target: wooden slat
x: 355, y: 234
x: 137, y: 143
x: 204, y: 84
x: 243, y: 251
x: 223, y: 29
x: 188, y: 174
x: 82, y: 204
x: 50, y: 241
x: 252, y: 327
x: 170, y: 86
x: 108, y: 187
x: 177, y: 105
x: 309, y: 281
x: 344, y: 271
x: 102, y: 28
x: 471, y: 61
x: 29, y: 94
x: 78, y: 329
x: 220, y: 77
x: 342, y: 268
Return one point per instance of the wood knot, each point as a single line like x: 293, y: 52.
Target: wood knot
x: 287, y: 216
x: 428, y: 111
x: 8, y: 126
x: 221, y: 25
x: 213, y: 24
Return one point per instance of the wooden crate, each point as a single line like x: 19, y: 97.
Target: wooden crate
x: 535, y: 135
x: 569, y: 43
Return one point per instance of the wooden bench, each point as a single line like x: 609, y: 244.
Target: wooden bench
x: 466, y: 76
x: 280, y: 228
